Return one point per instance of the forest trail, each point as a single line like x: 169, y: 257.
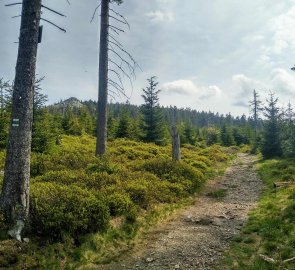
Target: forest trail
x: 197, y: 237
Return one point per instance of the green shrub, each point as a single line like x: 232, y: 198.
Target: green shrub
x: 2, y: 160
x: 175, y: 172
x: 102, y: 165
x: 120, y: 204
x: 139, y: 193
x: 63, y: 177
x: 58, y: 209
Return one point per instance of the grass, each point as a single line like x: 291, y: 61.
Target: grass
x: 136, y: 182
x: 218, y: 194
x: 270, y: 230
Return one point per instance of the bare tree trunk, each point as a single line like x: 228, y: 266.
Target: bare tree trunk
x: 15, y: 190
x: 103, y: 80
x: 175, y: 144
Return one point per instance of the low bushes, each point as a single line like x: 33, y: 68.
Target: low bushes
x: 73, y: 193
x: 58, y: 209
x: 175, y: 172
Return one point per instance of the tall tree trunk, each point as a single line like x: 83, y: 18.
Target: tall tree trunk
x: 103, y: 80
x: 15, y: 190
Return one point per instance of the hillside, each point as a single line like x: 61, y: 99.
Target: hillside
x: 88, y: 209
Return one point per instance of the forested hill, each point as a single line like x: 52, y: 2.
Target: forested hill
x: 128, y: 121
x: 181, y: 115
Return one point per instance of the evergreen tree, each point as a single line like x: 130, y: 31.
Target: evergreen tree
x: 212, y: 136
x: 5, y: 101
x: 271, y: 137
x: 153, y: 125
x: 189, y: 134
x: 226, y: 136
x: 288, y: 131
x: 123, y: 129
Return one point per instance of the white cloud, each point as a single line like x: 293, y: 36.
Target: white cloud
x: 210, y: 91
x: 161, y: 16
x: 280, y: 81
x: 188, y: 88
x: 182, y: 87
x: 283, y: 81
x: 283, y: 28
x: 246, y: 84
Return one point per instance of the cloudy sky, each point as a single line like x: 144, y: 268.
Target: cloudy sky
x: 207, y: 55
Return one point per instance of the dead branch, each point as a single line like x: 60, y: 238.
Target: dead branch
x: 117, y: 75
x: 115, y: 40
x: 117, y: 85
x: 17, y: 16
x: 116, y: 28
x: 289, y: 260
x: 122, y: 70
x: 93, y: 15
x: 54, y: 11
x: 121, y: 16
x: 124, y: 51
x: 123, y: 61
x: 54, y: 25
x: 118, y: 20
x: 268, y: 259
x: 115, y: 31
x: 13, y: 4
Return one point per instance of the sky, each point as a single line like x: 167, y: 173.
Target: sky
x: 206, y: 55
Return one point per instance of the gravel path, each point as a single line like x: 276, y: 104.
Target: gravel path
x: 197, y: 237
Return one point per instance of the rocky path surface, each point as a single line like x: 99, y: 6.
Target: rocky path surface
x: 197, y: 237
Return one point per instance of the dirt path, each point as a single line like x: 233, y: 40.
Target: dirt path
x: 197, y: 238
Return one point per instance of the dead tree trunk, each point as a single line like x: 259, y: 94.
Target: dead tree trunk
x: 15, y: 190
x: 101, y: 140
x: 175, y: 144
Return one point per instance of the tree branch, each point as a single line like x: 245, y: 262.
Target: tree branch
x: 54, y: 11
x: 54, y: 25
x: 93, y: 15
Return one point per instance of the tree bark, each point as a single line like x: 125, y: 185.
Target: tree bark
x: 15, y: 190
x: 101, y: 142
x: 175, y: 144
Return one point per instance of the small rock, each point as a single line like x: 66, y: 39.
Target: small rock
x: 149, y: 260
x: 26, y: 240
x: 177, y: 266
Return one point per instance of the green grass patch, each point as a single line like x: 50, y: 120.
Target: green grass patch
x: 218, y: 194
x: 270, y: 229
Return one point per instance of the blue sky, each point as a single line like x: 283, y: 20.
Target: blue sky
x: 207, y: 55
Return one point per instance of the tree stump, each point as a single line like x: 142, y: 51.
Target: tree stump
x: 175, y: 144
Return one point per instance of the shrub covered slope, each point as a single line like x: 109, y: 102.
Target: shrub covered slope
x: 83, y: 206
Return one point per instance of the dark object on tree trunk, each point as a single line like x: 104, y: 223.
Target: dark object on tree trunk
x: 40, y: 34
x: 15, y: 190
x: 175, y: 144
x: 103, y: 80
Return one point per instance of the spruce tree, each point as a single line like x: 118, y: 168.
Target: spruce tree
x: 153, y: 126
x: 226, y: 136
x: 271, y: 137
x: 123, y: 129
